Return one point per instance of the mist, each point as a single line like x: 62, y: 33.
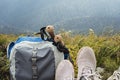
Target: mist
x: 33, y: 14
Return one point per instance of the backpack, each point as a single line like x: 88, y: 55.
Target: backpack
x: 34, y: 58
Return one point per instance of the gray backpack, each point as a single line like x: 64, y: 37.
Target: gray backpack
x: 32, y: 58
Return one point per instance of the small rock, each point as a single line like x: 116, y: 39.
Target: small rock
x: 99, y: 69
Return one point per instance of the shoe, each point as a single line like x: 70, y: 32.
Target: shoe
x: 86, y: 62
x: 115, y: 76
x: 65, y: 71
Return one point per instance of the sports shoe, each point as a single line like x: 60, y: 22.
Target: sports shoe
x: 115, y: 76
x: 64, y: 71
x: 87, y: 64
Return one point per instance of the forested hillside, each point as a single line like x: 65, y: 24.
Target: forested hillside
x: 78, y: 25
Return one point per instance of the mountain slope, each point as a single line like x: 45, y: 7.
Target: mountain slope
x: 98, y: 24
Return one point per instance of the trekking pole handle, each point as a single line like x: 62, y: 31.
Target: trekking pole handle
x: 50, y: 29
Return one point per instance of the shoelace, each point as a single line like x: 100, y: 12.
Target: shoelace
x: 116, y: 75
x: 89, y: 75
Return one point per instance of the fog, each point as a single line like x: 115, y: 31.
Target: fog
x: 42, y: 12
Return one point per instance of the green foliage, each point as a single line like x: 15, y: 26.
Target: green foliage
x: 106, y: 48
x: 4, y: 67
x: 4, y: 63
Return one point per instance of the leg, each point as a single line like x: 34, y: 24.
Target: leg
x: 64, y: 71
x: 86, y: 64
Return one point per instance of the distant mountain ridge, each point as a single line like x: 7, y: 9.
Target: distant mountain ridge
x: 4, y: 29
x: 98, y: 24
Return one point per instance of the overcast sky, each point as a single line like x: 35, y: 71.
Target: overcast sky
x: 32, y: 11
